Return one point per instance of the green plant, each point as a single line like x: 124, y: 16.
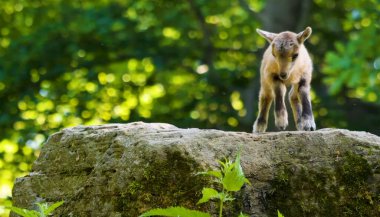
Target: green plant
x: 230, y: 178
x: 44, y: 210
x: 279, y: 214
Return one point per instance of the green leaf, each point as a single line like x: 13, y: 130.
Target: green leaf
x: 340, y: 47
x: 336, y: 86
x: 225, y: 197
x: 175, y: 212
x: 242, y: 215
x: 24, y: 212
x: 234, y: 178
x: 279, y: 214
x: 51, y: 208
x: 208, y: 194
x: 45, y: 210
x: 42, y: 207
x: 213, y: 173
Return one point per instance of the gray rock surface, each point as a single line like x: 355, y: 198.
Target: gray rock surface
x: 125, y: 169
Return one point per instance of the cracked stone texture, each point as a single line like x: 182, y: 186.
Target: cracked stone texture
x: 125, y: 169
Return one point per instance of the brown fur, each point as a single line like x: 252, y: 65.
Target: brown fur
x: 286, y: 62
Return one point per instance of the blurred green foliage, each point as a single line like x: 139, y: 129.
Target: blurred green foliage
x: 192, y: 63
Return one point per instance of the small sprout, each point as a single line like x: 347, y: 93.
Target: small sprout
x: 230, y: 177
x: 44, y: 210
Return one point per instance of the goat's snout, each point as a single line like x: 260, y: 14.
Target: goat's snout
x: 283, y: 75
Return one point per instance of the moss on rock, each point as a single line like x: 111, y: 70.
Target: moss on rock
x: 346, y: 189
x: 168, y: 181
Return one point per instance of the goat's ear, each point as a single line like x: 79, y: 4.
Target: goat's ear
x: 269, y: 36
x: 302, y: 36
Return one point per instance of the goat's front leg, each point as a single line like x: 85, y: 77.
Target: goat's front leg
x: 265, y: 101
x: 280, y: 113
x: 295, y: 104
x: 306, y: 122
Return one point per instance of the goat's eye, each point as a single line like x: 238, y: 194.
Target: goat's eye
x: 294, y: 57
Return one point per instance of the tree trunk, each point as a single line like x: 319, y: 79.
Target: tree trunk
x: 291, y: 15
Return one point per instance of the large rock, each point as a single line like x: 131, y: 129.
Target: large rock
x: 125, y: 169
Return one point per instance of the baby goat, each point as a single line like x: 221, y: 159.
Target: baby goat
x: 285, y: 62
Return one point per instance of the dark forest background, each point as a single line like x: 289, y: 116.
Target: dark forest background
x: 191, y: 63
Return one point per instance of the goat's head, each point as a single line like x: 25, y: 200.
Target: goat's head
x: 285, y: 47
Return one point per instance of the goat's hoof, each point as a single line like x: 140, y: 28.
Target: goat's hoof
x: 259, y: 127
x: 282, y: 128
x: 281, y: 123
x: 307, y: 125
